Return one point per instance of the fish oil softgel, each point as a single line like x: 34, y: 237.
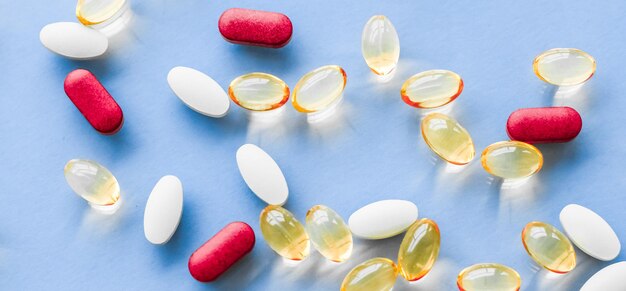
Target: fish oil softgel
x: 511, y: 159
x: 488, y: 277
x: 380, y: 45
x: 284, y: 233
x: 419, y: 249
x: 564, y: 66
x: 93, y: 182
x: 258, y: 92
x: 105, y: 15
x: 374, y: 274
x: 448, y: 139
x: 431, y: 89
x: 329, y: 233
x: 549, y: 247
x: 319, y: 90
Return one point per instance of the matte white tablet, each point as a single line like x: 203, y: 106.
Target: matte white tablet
x: 611, y: 278
x: 163, y: 210
x: 590, y: 232
x: 73, y: 40
x: 262, y: 174
x: 198, y: 91
x: 383, y: 219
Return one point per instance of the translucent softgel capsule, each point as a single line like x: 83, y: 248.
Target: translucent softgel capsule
x: 511, y: 159
x: 431, y: 89
x: 377, y: 274
x: 92, y: 181
x: 549, y: 247
x: 284, y: 233
x: 564, y: 66
x: 380, y: 45
x: 329, y: 233
x: 488, y: 277
x: 92, y: 12
x: 448, y: 139
x: 419, y: 249
x: 258, y: 91
x: 319, y: 89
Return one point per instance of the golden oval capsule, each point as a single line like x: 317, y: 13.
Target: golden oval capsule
x: 512, y: 159
x: 564, y: 66
x: 284, y: 233
x: 91, y: 12
x: 258, y: 91
x: 419, y: 249
x: 431, y: 89
x: 319, y: 88
x: 374, y: 274
x: 448, y: 139
x: 549, y: 247
x: 488, y: 277
x: 329, y: 233
x: 380, y: 45
x: 92, y: 181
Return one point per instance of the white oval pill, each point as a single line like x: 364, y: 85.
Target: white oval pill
x: 163, y: 210
x: 382, y: 219
x: 73, y: 40
x: 262, y: 174
x: 590, y: 232
x: 610, y: 278
x: 198, y: 91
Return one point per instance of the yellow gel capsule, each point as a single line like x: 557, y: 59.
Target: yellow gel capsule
x: 377, y: 274
x: 488, y: 277
x: 549, y: 247
x: 564, y: 66
x: 284, y: 233
x: 258, y: 91
x: 380, y: 45
x: 329, y: 233
x: 91, y: 12
x: 419, y: 249
x: 512, y: 159
x: 319, y: 88
x: 92, y: 181
x: 431, y: 89
x: 448, y: 139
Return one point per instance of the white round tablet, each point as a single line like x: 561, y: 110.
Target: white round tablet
x: 382, y: 219
x: 610, y: 278
x: 163, y: 210
x: 73, y: 40
x: 262, y: 174
x: 590, y: 232
x: 198, y: 91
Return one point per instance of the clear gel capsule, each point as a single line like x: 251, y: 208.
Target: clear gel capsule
x: 329, y: 233
x: 377, y: 274
x: 284, y: 233
x: 92, y: 12
x: 488, y: 277
x: 549, y: 247
x: 92, y: 181
x: 419, y: 249
x: 564, y: 66
x: 380, y: 45
x: 431, y: 89
x: 447, y: 138
x: 319, y: 89
x: 511, y: 159
x: 258, y: 91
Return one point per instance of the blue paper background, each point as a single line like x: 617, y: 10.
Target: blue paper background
x: 51, y: 240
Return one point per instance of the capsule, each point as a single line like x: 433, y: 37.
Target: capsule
x: 329, y: 233
x: 92, y: 181
x: 419, y: 249
x: 380, y: 45
x: 488, y: 277
x: 448, y: 139
x: 431, y: 89
x: 544, y: 125
x: 258, y: 91
x: 564, y: 66
x: 511, y: 159
x: 255, y: 27
x: 319, y: 89
x: 374, y: 274
x: 284, y: 233
x: 92, y: 12
x: 548, y: 247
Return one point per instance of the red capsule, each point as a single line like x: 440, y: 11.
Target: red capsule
x: 255, y: 27
x: 93, y: 101
x: 544, y: 124
x: 220, y: 252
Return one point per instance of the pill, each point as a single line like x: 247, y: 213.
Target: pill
x: 431, y: 89
x: 488, y: 277
x: 382, y: 219
x: 319, y: 89
x: 329, y: 234
x: 73, y: 40
x: 380, y: 45
x: 221, y: 252
x: 198, y: 91
x: 262, y: 174
x: 92, y: 181
x: 373, y: 274
x: 511, y: 159
x: 549, y: 247
x: 447, y: 138
x: 163, y: 210
x: 93, y: 101
x: 419, y: 249
x: 91, y: 12
x: 284, y: 233
x: 258, y: 92
x: 564, y: 66
x: 544, y: 125
x: 610, y: 278
x: 255, y: 27
x: 590, y: 232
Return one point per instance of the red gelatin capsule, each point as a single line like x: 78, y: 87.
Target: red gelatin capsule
x: 220, y: 252
x: 93, y: 101
x: 255, y: 27
x: 544, y: 124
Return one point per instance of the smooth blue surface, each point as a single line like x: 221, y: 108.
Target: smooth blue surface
x: 50, y: 239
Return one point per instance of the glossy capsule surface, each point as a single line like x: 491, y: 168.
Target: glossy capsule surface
x: 512, y: 159
x: 377, y: 274
x: 431, y: 89
x: 564, y: 66
x: 284, y: 233
x: 92, y: 181
x: 318, y: 89
x: 380, y: 45
x: 329, y: 233
x: 258, y: 91
x: 549, y: 247
x: 419, y: 249
x: 91, y: 12
x: 448, y: 139
x: 488, y: 277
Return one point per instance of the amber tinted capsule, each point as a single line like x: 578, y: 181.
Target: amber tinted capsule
x: 549, y: 247
x: 448, y: 139
x: 380, y: 45
x: 377, y: 274
x: 419, y: 249
x: 318, y: 89
x: 92, y: 181
x: 431, y: 89
x: 91, y: 12
x: 564, y: 66
x: 488, y: 277
x: 284, y: 233
x: 329, y: 233
x: 258, y: 91
x: 512, y: 159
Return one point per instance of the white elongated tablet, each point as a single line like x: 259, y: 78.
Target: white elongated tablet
x: 163, y: 210
x: 590, y: 232
x: 610, y: 278
x: 198, y: 91
x: 382, y: 219
x: 262, y: 174
x: 73, y: 40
